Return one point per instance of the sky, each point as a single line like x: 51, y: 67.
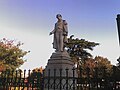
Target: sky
x: 30, y: 22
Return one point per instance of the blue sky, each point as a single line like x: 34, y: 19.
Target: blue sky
x: 30, y: 21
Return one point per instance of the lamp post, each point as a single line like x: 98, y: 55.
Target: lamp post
x: 118, y: 25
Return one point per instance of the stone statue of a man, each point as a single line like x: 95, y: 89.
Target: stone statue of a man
x: 60, y: 34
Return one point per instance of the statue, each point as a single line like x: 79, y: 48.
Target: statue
x: 60, y: 34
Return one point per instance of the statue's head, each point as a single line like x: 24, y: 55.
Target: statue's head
x: 59, y: 16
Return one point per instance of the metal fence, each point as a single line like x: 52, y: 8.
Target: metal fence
x: 86, y: 80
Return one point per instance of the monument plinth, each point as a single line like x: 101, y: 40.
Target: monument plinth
x: 60, y: 60
x: 59, y: 68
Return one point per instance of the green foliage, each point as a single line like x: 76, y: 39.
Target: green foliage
x: 11, y: 56
x: 101, y: 64
x: 104, y: 66
x: 78, y: 48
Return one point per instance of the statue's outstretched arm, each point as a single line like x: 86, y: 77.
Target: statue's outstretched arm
x: 52, y: 32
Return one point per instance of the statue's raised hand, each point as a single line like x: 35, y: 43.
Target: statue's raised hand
x: 50, y: 33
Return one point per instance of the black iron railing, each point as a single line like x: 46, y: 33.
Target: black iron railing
x: 21, y: 80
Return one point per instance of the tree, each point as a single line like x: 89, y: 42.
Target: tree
x: 78, y: 49
x: 40, y: 69
x: 11, y: 55
x: 101, y: 64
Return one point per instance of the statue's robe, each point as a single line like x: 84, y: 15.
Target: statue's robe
x: 60, y: 35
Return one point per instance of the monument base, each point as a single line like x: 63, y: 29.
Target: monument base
x: 59, y: 60
x: 60, y: 68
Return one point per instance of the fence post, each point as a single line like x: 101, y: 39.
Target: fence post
x: 73, y: 78
x: 60, y: 79
x: 54, y: 78
x: 20, y: 78
x: 11, y: 80
x: 16, y: 73
x: 39, y: 80
x: 67, y: 78
x: 48, y: 79
x: 28, y: 80
x: 24, y: 82
x: 79, y: 80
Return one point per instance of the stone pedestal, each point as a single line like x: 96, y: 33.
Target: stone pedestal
x: 59, y: 60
